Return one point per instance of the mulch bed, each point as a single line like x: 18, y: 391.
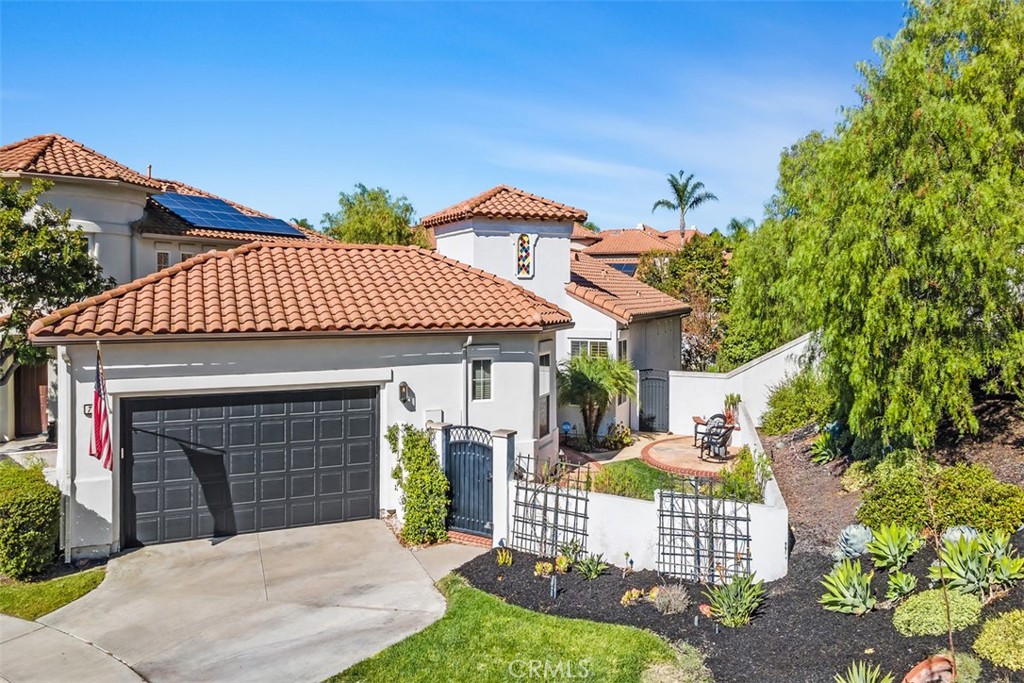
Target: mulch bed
x: 999, y: 443
x: 819, y: 508
x: 792, y: 639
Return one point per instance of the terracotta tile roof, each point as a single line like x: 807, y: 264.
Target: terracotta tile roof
x: 179, y: 187
x: 160, y: 221
x: 54, y: 154
x: 264, y: 288
x: 504, y: 201
x: 633, y: 242
x: 581, y: 234
x: 620, y: 296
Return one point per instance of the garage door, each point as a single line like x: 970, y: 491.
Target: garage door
x: 204, y: 466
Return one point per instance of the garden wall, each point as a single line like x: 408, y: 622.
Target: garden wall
x: 703, y: 393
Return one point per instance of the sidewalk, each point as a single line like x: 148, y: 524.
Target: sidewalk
x: 31, y: 652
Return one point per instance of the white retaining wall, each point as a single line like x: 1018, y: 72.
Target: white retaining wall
x: 703, y: 393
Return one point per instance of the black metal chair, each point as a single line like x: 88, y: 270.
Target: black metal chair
x: 714, y: 444
x: 699, y: 430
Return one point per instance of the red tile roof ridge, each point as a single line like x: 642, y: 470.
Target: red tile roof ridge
x: 530, y: 206
x: 35, y: 147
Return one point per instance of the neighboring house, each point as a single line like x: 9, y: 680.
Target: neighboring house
x: 529, y: 239
x: 581, y: 238
x: 251, y: 388
x: 130, y: 230
x: 622, y: 249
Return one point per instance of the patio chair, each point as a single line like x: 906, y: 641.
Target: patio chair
x: 714, y: 444
x: 701, y: 426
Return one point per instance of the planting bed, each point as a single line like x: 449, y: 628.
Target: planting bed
x: 791, y: 639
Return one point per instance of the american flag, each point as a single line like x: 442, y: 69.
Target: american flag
x: 99, y: 444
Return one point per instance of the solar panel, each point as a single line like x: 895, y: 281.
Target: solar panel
x: 207, y: 212
x: 627, y: 268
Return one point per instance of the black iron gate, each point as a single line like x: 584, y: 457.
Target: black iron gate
x: 654, y: 400
x: 702, y: 536
x: 550, y: 507
x: 467, y: 453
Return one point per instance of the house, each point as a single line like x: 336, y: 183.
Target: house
x: 132, y: 228
x: 622, y: 248
x: 614, y: 314
x: 251, y: 388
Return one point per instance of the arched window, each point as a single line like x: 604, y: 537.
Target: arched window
x: 524, y: 256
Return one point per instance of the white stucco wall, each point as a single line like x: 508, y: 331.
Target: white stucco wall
x: 703, y: 393
x: 431, y: 365
x: 147, y: 245
x: 655, y: 343
x: 104, y: 211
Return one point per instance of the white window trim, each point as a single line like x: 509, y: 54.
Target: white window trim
x: 473, y: 380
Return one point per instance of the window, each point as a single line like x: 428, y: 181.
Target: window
x: 481, y: 380
x: 524, y: 256
x: 163, y: 259
x: 544, y: 392
x: 185, y: 255
x: 593, y: 347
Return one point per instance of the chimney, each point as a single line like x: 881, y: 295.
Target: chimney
x: 149, y: 171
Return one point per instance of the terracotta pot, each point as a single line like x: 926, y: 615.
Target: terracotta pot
x: 937, y: 669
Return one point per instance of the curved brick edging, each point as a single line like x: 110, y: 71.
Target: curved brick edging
x: 646, y: 456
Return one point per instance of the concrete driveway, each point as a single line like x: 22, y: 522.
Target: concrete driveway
x: 292, y: 605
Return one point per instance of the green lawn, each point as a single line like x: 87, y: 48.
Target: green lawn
x: 633, y: 478
x: 32, y: 599
x: 481, y: 637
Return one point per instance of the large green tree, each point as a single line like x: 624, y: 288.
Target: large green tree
x: 687, y: 195
x: 44, y: 265
x: 906, y: 227
x: 373, y: 216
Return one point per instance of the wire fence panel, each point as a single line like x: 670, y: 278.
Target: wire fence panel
x: 550, y: 507
x: 703, y: 537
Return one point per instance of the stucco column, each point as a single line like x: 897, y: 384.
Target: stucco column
x: 502, y: 467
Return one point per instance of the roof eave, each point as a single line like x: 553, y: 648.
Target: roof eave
x: 111, y: 182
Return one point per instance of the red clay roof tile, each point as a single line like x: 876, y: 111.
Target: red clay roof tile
x: 504, y: 201
x: 330, y: 288
x: 54, y: 154
x: 620, y: 296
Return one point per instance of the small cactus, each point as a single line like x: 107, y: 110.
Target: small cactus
x: 853, y: 542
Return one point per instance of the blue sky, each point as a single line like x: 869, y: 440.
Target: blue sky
x: 280, y: 106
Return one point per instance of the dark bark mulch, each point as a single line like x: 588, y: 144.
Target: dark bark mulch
x: 999, y: 443
x: 819, y: 508
x: 792, y: 639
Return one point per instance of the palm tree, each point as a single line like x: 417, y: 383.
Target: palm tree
x: 687, y: 195
x: 592, y: 383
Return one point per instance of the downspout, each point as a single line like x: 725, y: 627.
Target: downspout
x: 134, y: 228
x: 66, y: 433
x: 465, y: 379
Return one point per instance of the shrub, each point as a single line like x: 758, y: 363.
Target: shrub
x: 562, y: 564
x: 1002, y: 640
x: 862, y: 672
x: 898, y: 497
x: 424, y: 487
x: 893, y: 546
x: 968, y: 667
x: 799, y: 400
x: 543, y: 569
x: 504, y: 557
x: 29, y: 520
x: 744, y: 480
x: 924, y: 614
x: 631, y: 597
x: 632, y: 478
x: 671, y: 599
x: 618, y: 437
x: 857, y: 476
x: 573, y: 551
x: 853, y: 542
x: 735, y: 602
x: 848, y: 589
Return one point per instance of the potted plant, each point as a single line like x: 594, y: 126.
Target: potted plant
x: 732, y: 402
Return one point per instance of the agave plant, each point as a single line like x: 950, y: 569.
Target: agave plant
x: 735, y: 602
x: 978, y: 565
x: 853, y: 542
x: 848, y: 589
x: 901, y: 584
x: 825, y: 449
x: 893, y: 545
x: 955, y: 532
x: 862, y: 672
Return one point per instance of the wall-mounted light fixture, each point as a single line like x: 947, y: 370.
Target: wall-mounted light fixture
x: 87, y: 409
x: 403, y: 392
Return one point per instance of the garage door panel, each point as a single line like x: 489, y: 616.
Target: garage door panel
x: 206, y: 466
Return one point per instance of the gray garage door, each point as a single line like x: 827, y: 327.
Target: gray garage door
x: 204, y: 466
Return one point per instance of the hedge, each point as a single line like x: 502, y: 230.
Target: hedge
x: 29, y: 521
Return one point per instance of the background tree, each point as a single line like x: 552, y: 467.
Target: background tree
x: 373, y: 216
x: 737, y: 230
x: 303, y: 223
x: 591, y: 226
x: 592, y: 383
x: 687, y: 195
x: 906, y: 227
x: 44, y: 265
x: 698, y: 275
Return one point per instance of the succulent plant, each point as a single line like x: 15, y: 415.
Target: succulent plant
x: 853, y: 542
x: 893, y: 545
x: 955, y: 533
x: 848, y: 589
